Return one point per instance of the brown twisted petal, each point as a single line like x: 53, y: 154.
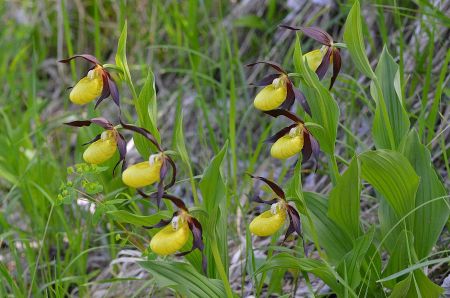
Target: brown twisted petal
x: 315, y: 33
x: 87, y: 57
x: 274, y: 65
x: 276, y: 189
x: 336, y: 56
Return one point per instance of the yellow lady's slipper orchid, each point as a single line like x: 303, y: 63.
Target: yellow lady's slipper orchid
x: 289, y: 144
x: 267, y: 223
x: 102, y: 149
x: 144, y: 173
x: 88, y: 88
x: 273, y: 95
x: 172, y: 237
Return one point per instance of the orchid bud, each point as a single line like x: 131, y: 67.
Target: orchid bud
x: 144, y: 173
x: 102, y: 149
x: 88, y: 88
x: 270, y: 221
x: 289, y: 144
x: 272, y: 95
x: 172, y: 237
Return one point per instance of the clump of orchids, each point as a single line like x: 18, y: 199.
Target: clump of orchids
x: 99, y: 84
x: 276, y: 99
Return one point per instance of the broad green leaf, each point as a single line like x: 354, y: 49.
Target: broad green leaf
x: 429, y: 220
x: 391, y: 174
x: 387, y: 73
x: 353, y: 37
x: 214, y: 193
x: 138, y: 220
x: 415, y: 267
x: 351, y: 263
x: 343, y: 206
x: 146, y: 109
x: 183, y: 278
x: 418, y: 285
x: 324, y: 109
x: 331, y: 237
x: 316, y: 267
x: 399, y: 256
x: 294, y: 189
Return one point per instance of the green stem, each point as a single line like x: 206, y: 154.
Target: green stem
x: 340, y: 45
x: 221, y: 269
x: 334, y: 169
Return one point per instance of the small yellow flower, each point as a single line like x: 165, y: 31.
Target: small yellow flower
x: 289, y: 144
x: 144, y: 173
x: 270, y: 221
x: 172, y: 237
x: 88, y: 88
x: 272, y: 95
x: 98, y: 83
x: 102, y: 149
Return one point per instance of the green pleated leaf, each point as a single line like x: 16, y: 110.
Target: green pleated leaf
x: 391, y: 174
x: 214, y: 193
x: 331, y: 237
x: 324, y: 109
x: 418, y: 285
x: 429, y: 220
x: 146, y: 109
x: 351, y: 263
x: 399, y: 256
x: 343, y: 206
x: 316, y: 267
x: 387, y: 73
x: 138, y: 220
x: 183, y: 278
x: 353, y: 37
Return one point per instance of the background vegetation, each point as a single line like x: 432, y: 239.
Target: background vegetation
x: 197, y: 51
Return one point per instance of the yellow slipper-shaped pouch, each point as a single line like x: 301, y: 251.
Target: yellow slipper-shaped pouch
x: 144, y: 173
x: 271, y: 96
x: 88, y: 88
x: 101, y: 150
x: 170, y: 240
x: 267, y: 223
